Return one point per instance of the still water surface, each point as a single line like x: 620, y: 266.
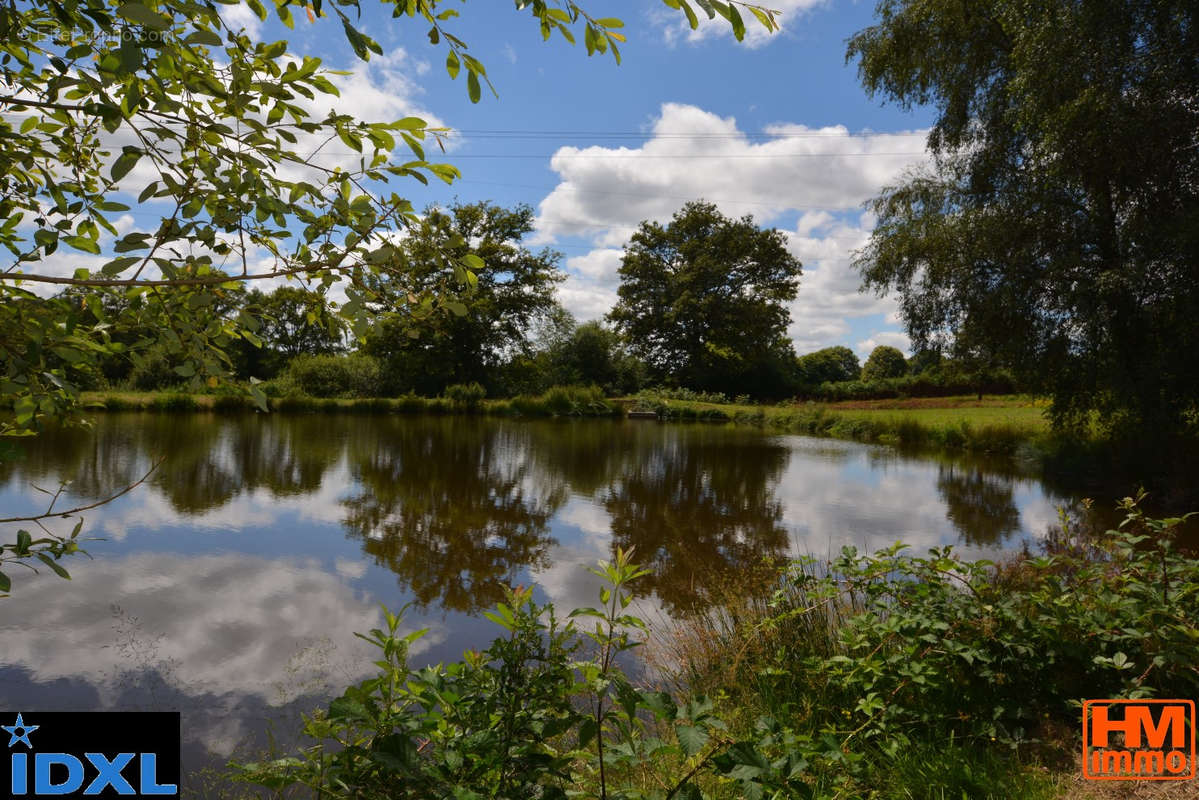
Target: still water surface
x: 230, y: 584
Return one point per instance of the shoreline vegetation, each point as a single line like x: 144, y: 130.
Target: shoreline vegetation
x: 1013, y: 432
x: 884, y: 676
x: 997, y: 425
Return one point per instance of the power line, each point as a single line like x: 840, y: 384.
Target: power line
x: 638, y: 156
x: 544, y: 134
x: 647, y: 196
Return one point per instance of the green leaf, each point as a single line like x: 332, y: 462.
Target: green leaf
x: 206, y: 37
x: 452, y: 65
x: 410, y: 124
x: 119, y: 265
x: 692, y: 20
x: 738, y: 23
x: 136, y: 12
x: 472, y: 86
x: 587, y: 731
x: 691, y: 738
x: 46, y: 239
x: 54, y: 565
x: 5, y: 583
x: 83, y: 243
x: 126, y: 162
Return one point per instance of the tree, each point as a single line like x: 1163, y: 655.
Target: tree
x: 593, y: 353
x: 107, y: 103
x: 884, y: 362
x: 923, y: 361
x: 490, y: 321
x: 702, y: 301
x: 1055, y: 230
x: 830, y: 365
x: 294, y: 322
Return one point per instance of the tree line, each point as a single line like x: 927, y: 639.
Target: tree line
x: 702, y: 306
x: 1052, y: 233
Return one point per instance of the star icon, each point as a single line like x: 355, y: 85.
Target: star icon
x: 24, y: 729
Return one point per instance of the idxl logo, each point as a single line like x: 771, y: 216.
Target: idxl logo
x: 105, y: 754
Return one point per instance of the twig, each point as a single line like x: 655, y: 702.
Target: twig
x: 50, y: 512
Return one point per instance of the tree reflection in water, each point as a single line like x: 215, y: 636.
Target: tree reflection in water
x: 699, y: 505
x: 452, y: 507
x: 457, y: 507
x: 979, y: 506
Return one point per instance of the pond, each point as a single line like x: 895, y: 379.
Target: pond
x: 230, y: 584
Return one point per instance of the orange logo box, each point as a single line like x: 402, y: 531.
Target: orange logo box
x: 1157, y: 741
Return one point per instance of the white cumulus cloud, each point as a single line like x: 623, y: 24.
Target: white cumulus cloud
x: 820, y: 177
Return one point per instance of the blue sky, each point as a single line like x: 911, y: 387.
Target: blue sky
x: 776, y: 126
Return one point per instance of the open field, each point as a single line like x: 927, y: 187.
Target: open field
x: 1017, y: 410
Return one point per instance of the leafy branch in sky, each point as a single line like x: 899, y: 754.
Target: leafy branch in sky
x: 110, y: 104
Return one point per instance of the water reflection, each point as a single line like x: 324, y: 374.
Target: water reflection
x: 980, y: 506
x: 699, y: 508
x: 452, y: 507
x: 230, y: 585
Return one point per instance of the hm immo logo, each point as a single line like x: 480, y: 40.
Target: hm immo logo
x: 105, y: 754
x: 1138, y: 740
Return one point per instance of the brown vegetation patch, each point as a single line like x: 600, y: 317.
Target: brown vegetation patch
x: 1079, y: 788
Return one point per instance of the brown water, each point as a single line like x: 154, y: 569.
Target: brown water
x: 230, y: 584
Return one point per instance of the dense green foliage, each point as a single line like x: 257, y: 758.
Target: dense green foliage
x: 937, y: 382
x: 867, y: 676
x: 830, y: 365
x: 702, y: 302
x: 294, y: 322
x: 589, y: 354
x: 351, y: 375
x: 491, y: 319
x: 541, y: 712
x: 884, y: 362
x: 1055, y: 231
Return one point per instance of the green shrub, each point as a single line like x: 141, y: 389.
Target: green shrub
x: 466, y: 396
x: 544, y: 711
x: 152, y: 372
x: 231, y: 402
x: 688, y: 395
x: 562, y: 401
x: 352, y: 375
x: 410, y: 403
x: 174, y: 402
x: 934, y: 383
x: 893, y: 649
x: 114, y: 402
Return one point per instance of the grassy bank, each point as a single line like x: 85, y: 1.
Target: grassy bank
x: 998, y: 425
x: 994, y: 424
x: 558, y: 401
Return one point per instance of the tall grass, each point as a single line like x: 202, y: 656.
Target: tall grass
x: 937, y: 676
x: 558, y: 401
